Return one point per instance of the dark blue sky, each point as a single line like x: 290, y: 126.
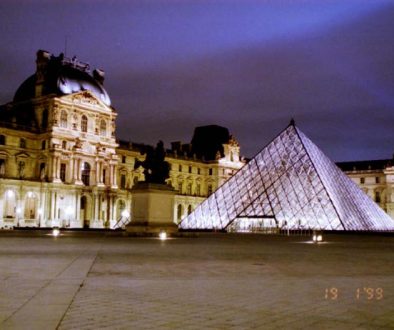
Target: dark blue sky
x: 246, y: 65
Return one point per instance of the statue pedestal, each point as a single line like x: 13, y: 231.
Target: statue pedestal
x: 152, y: 209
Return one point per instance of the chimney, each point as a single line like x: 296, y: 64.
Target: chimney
x: 42, y: 60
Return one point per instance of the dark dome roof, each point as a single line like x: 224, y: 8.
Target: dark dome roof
x: 62, y: 78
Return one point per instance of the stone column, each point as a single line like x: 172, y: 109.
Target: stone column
x: 53, y: 207
x: 97, y: 172
x: 58, y: 168
x: 78, y: 207
x: 71, y: 171
x: 96, y: 206
x: 111, y: 208
x: 79, y: 169
x: 111, y: 182
x: 115, y: 182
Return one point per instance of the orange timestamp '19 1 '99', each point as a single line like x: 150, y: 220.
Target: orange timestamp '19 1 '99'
x: 365, y: 293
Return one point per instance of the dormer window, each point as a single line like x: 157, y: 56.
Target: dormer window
x: 84, y: 124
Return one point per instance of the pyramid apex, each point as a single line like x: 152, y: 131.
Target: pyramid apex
x: 292, y: 122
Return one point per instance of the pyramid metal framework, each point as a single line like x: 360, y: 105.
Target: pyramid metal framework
x: 294, y: 185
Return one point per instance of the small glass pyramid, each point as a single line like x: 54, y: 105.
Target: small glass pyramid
x: 290, y: 184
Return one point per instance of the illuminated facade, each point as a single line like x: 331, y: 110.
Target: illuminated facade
x: 61, y: 165
x: 375, y: 178
x: 290, y: 184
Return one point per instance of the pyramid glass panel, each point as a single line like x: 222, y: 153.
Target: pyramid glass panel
x: 290, y: 184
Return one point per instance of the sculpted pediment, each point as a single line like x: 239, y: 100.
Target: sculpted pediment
x: 86, y: 98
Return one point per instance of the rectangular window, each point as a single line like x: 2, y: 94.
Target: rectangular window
x: 63, y: 172
x: 362, y: 180
x: 209, y: 189
x: 377, y: 180
x: 180, y: 168
x: 190, y: 169
x: 198, y: 189
x: 210, y: 171
x: 123, y: 181
x: 123, y: 159
x: 198, y: 171
x: 377, y: 197
x: 104, y: 176
x: 2, y: 167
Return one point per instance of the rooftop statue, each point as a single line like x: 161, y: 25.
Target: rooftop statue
x: 156, y: 169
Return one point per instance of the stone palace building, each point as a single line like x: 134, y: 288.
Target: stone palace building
x: 61, y: 164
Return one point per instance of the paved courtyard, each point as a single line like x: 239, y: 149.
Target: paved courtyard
x: 217, y: 281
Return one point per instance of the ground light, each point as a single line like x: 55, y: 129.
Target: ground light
x: 163, y: 235
x: 317, y: 238
x: 55, y: 232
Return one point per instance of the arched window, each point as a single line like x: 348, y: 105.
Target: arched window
x: 179, y: 212
x: 2, y: 140
x: 103, y: 128
x: 85, y: 174
x: 64, y: 144
x: 63, y: 119
x: 84, y: 124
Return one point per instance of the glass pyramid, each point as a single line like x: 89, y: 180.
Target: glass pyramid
x: 290, y: 184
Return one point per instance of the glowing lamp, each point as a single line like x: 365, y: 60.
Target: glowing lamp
x: 125, y: 214
x: 55, y: 232
x: 163, y: 235
x: 317, y: 238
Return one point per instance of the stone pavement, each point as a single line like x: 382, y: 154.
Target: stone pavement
x: 216, y: 281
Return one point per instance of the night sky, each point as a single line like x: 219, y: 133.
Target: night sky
x: 248, y: 65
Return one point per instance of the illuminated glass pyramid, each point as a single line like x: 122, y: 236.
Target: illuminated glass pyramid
x: 290, y: 184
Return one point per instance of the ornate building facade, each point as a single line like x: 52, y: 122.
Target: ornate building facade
x: 61, y: 165
x: 375, y: 178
